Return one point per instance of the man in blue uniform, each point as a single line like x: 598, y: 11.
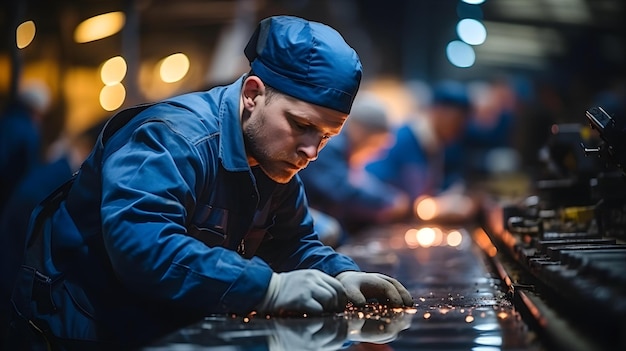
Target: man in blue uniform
x: 336, y: 184
x: 20, y: 137
x: 426, y: 156
x: 193, y: 206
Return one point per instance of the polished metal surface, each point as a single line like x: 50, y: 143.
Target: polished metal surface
x: 459, y: 304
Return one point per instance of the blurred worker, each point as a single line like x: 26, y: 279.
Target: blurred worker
x: 488, y: 138
x: 336, y: 185
x: 426, y: 157
x: 34, y: 187
x: 193, y: 206
x: 20, y: 137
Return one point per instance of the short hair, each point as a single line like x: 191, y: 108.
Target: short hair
x: 270, y: 92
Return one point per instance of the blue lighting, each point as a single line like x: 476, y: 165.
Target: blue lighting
x: 460, y: 54
x: 474, y: 2
x: 471, y: 31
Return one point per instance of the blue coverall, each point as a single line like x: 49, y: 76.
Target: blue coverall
x: 166, y: 223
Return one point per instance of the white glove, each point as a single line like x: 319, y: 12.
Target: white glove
x: 303, y: 291
x: 361, y: 286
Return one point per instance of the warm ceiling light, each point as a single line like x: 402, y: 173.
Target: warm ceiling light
x: 25, y: 34
x: 112, y: 96
x: 174, y: 67
x: 99, y: 27
x: 113, y: 70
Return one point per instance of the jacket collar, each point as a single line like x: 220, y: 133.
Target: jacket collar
x: 232, y: 150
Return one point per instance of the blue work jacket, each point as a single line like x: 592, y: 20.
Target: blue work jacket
x: 166, y: 223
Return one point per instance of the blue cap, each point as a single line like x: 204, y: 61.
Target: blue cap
x: 307, y: 60
x: 451, y: 93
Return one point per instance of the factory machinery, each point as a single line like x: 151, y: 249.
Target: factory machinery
x: 565, y: 244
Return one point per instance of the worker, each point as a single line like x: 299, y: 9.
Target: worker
x: 426, y: 158
x: 21, y: 136
x: 336, y: 183
x: 192, y: 206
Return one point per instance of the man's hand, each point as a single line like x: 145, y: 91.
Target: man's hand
x: 303, y: 291
x: 361, y: 286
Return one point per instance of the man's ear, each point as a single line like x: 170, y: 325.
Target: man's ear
x: 252, y: 88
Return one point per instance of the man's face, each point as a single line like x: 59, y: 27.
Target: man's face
x: 449, y: 122
x: 283, y: 135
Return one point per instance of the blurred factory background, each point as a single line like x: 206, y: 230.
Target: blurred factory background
x: 533, y: 69
x: 95, y: 57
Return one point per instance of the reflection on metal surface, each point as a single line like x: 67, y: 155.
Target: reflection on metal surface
x: 458, y: 305
x: 432, y: 236
x: 375, y: 324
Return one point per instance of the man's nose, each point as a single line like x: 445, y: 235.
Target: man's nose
x: 310, y: 146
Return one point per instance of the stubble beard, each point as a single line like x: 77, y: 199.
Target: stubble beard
x: 252, y: 137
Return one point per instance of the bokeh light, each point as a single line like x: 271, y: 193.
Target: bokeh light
x: 489, y: 340
x: 99, y: 27
x: 113, y: 70
x: 426, y: 236
x: 410, y: 237
x: 174, y: 67
x: 426, y: 208
x: 460, y: 54
x: 438, y: 239
x: 25, y: 34
x: 471, y: 31
x: 112, y: 96
x: 454, y: 238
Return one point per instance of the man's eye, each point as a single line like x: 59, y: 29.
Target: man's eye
x: 300, y: 126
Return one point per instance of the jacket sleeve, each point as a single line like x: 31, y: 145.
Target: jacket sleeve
x: 150, y: 188
x: 293, y: 242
